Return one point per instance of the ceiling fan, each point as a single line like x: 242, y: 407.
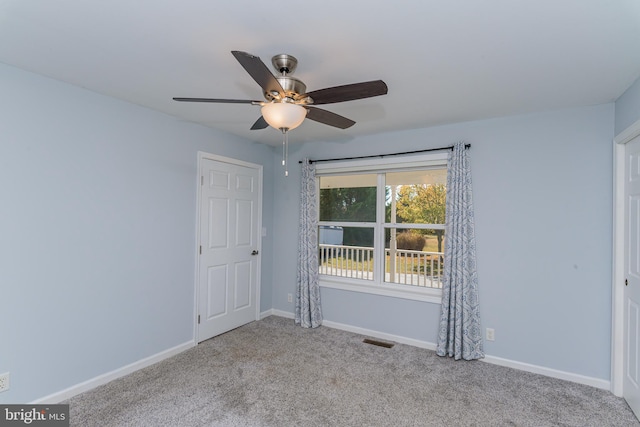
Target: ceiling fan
x: 287, y: 103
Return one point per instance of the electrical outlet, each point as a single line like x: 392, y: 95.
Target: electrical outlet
x: 4, y: 382
x: 289, y: 297
x: 491, y: 334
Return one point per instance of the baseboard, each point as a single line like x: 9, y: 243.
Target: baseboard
x: 282, y: 313
x: 110, y: 376
x: 549, y: 372
x: 554, y: 373
x: 266, y: 313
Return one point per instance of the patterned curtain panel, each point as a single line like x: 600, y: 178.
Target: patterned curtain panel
x: 308, y: 312
x: 459, y: 334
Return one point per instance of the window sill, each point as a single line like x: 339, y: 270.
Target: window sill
x: 387, y: 289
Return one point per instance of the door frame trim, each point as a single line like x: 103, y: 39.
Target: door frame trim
x: 618, y: 255
x: 202, y: 155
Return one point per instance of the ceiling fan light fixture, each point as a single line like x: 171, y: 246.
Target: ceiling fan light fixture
x: 283, y: 115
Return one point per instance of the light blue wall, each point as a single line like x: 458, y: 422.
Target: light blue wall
x: 97, y: 231
x: 628, y: 107
x: 542, y: 191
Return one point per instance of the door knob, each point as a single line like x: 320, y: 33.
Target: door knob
x: 255, y: 252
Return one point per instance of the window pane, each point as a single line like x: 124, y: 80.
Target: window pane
x: 348, y: 198
x: 346, y: 252
x: 420, y: 196
x: 414, y: 257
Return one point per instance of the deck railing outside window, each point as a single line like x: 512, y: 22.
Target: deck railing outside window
x: 417, y: 268
x: 346, y: 261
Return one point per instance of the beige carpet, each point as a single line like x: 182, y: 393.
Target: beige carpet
x: 272, y: 373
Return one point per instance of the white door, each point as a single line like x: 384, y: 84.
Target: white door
x: 631, y: 370
x: 228, y: 264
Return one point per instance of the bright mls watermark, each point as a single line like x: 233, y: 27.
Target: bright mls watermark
x: 34, y: 415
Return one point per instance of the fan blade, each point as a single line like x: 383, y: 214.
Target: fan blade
x: 328, y: 118
x: 224, y: 101
x: 350, y: 92
x: 260, y: 73
x: 261, y: 123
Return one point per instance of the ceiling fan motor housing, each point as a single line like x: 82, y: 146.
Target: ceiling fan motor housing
x: 293, y: 88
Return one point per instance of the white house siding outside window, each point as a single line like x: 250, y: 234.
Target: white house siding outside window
x: 381, y: 225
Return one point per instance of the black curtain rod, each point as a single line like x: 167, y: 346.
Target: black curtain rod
x: 385, y: 155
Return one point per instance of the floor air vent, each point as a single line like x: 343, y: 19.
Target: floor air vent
x: 378, y: 343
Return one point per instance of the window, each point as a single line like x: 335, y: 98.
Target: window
x: 381, y: 226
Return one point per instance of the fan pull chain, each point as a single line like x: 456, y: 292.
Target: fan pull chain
x: 285, y: 153
x: 284, y: 137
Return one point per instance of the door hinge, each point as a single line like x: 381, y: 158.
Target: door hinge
x: 201, y: 179
x: 200, y: 249
x: 198, y: 319
x: 626, y: 282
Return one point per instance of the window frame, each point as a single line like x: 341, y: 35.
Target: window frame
x: 380, y: 166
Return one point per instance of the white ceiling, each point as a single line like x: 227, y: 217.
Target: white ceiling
x: 443, y: 61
